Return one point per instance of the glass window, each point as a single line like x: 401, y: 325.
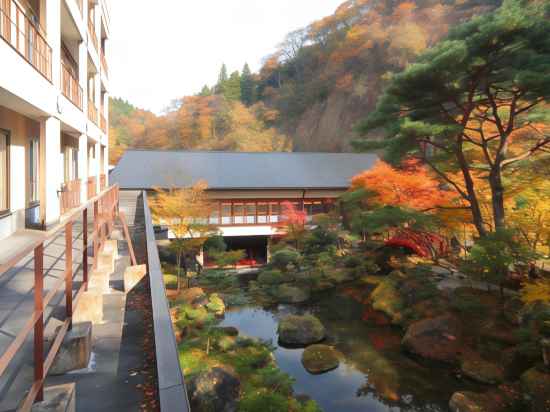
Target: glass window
x: 4, y: 172
x: 238, y: 213
x: 34, y: 155
x: 214, y: 216
x: 263, y: 212
x: 275, y: 212
x: 251, y: 213
x: 226, y: 214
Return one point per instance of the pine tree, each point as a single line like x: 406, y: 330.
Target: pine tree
x: 222, y: 80
x: 232, y: 87
x: 247, y: 86
x: 206, y: 91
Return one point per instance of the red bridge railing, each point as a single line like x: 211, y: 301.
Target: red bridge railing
x: 105, y: 210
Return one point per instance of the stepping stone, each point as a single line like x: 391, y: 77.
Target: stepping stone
x: 89, y: 308
x: 133, y: 275
x: 61, y: 398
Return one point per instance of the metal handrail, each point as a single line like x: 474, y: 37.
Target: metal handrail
x: 104, y: 205
x: 171, y: 384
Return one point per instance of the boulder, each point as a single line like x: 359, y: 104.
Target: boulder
x: 536, y: 384
x: 320, y: 358
x: 301, y: 330
x: 436, y: 339
x: 290, y: 294
x: 480, y: 370
x: 215, y: 304
x: 75, y: 351
x: 60, y: 398
x: 214, y: 390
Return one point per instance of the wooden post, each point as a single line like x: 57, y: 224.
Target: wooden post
x: 85, y: 247
x: 69, y: 272
x: 39, y: 325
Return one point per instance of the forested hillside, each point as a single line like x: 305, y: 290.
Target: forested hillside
x: 310, y: 94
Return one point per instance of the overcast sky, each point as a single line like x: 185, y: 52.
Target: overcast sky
x: 164, y: 49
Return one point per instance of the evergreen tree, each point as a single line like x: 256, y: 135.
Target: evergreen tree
x: 247, y: 86
x: 459, y: 107
x: 206, y: 91
x: 222, y: 80
x: 232, y: 87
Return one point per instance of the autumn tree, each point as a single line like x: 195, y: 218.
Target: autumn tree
x: 293, y: 223
x: 485, y: 76
x: 185, y: 212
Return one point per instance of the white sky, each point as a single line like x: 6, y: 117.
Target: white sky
x: 165, y: 49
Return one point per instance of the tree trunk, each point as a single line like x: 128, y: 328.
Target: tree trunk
x: 472, y: 196
x: 497, y: 196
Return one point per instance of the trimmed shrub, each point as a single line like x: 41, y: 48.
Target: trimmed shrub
x: 284, y: 257
x: 271, y: 277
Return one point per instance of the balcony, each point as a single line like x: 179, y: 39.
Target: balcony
x: 92, y: 35
x: 25, y: 37
x: 92, y: 187
x: 70, y: 196
x: 70, y: 87
x: 92, y: 112
x: 102, y: 182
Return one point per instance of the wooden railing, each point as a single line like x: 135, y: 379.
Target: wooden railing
x: 25, y: 37
x: 70, y: 196
x: 92, y: 187
x: 93, y: 36
x: 70, y: 87
x: 92, y: 112
x: 104, y: 63
x: 105, y: 208
x: 102, y: 181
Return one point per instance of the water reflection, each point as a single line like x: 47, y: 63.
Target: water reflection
x: 374, y: 376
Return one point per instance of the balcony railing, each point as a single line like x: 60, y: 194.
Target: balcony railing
x: 104, y: 64
x: 24, y: 36
x: 92, y: 112
x: 102, y: 182
x: 70, y: 87
x: 93, y: 36
x: 103, y: 123
x: 70, y: 196
x: 92, y: 187
x: 104, y: 213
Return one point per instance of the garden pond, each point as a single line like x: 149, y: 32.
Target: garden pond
x: 374, y: 373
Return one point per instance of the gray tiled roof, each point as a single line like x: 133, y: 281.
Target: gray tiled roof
x: 145, y: 169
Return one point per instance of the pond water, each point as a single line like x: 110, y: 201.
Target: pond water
x: 373, y: 376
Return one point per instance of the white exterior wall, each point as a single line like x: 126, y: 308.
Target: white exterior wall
x: 31, y: 106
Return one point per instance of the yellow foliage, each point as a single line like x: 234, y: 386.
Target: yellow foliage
x: 536, y: 291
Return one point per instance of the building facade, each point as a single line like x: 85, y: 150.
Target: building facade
x: 248, y: 190
x: 54, y: 94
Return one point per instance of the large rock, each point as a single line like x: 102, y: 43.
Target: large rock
x: 320, y: 358
x: 214, y: 390
x: 480, y: 370
x: 60, y: 398
x: 536, y: 384
x: 301, y: 330
x: 436, y: 339
x: 290, y: 294
x: 75, y: 351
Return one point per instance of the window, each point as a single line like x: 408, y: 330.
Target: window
x: 214, y: 216
x: 263, y: 212
x: 275, y: 212
x: 226, y: 213
x: 71, y: 163
x: 4, y: 172
x: 34, y: 156
x: 251, y: 213
x: 238, y: 212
